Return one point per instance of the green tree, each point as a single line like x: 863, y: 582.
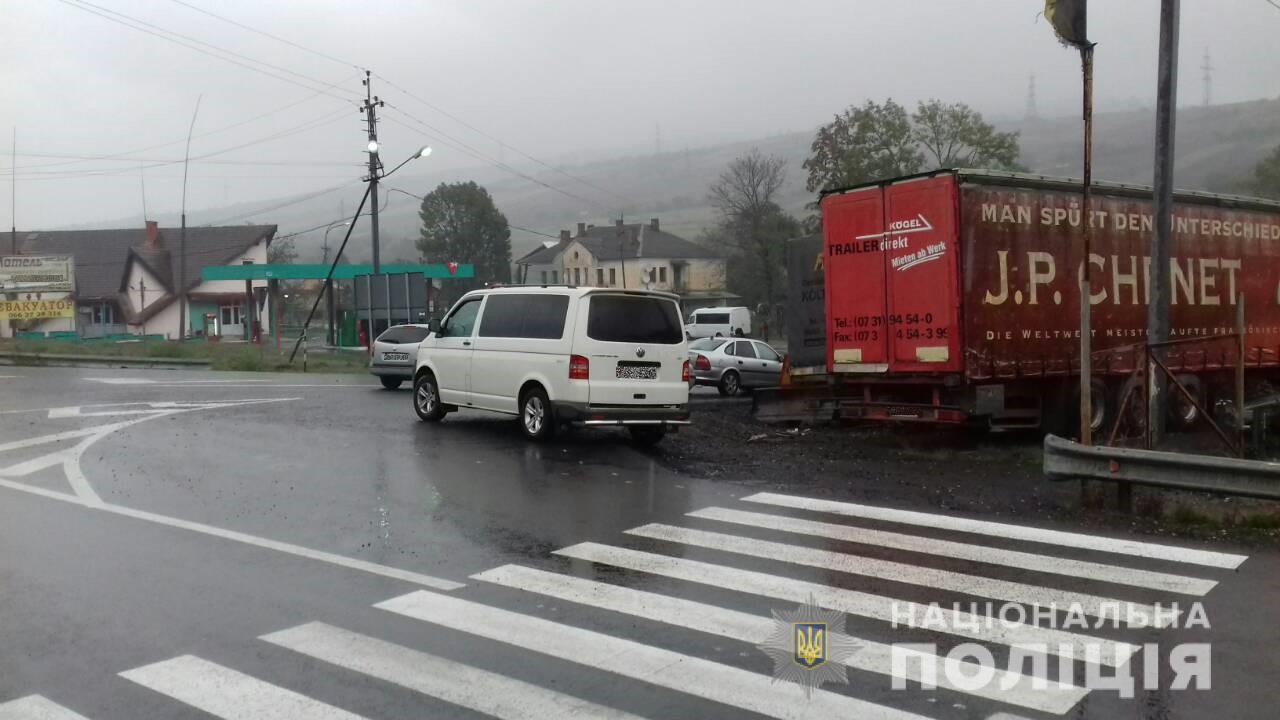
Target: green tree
x: 752, y: 225
x: 460, y: 223
x: 863, y: 144
x: 1266, y: 176
x: 955, y: 135
x: 873, y: 142
x: 282, y: 252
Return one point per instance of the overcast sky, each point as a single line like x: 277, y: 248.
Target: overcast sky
x: 558, y: 79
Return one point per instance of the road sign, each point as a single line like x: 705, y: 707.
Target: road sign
x: 37, y: 273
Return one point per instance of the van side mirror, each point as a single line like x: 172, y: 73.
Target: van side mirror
x: 434, y: 326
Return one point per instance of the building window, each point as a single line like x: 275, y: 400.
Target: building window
x: 103, y: 314
x: 577, y: 276
x: 555, y: 277
x: 230, y: 314
x: 599, y: 277
x: 544, y: 277
x: 613, y: 277
x: 662, y: 274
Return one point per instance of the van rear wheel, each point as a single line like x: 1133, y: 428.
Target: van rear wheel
x: 537, y: 420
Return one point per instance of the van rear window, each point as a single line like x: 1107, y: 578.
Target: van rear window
x: 633, y: 319
x: 711, y: 319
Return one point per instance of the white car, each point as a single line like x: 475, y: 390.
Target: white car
x: 395, y: 354
x: 559, y: 355
x: 718, y: 322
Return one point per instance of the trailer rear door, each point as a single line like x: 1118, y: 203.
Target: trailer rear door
x: 854, y: 265
x: 921, y: 266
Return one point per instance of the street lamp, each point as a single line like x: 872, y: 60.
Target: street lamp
x: 374, y: 177
x: 325, y: 247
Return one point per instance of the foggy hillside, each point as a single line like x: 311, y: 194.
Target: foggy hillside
x: 1217, y: 146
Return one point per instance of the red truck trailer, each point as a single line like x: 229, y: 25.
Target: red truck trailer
x: 953, y: 297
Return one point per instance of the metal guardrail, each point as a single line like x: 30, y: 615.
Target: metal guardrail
x: 1067, y: 460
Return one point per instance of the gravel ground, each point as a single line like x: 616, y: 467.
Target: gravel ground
x: 939, y: 469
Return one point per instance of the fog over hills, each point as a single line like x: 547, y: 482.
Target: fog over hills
x: 1217, y: 147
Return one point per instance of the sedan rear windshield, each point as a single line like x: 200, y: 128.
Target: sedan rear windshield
x: 707, y: 343
x: 633, y: 319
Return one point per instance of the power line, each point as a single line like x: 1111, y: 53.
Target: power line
x: 518, y: 151
x: 264, y: 33
x: 326, y: 119
x: 278, y: 206
x: 288, y: 163
x: 232, y: 126
x: 495, y: 163
x: 1273, y: 3
x: 169, y: 35
x: 419, y: 99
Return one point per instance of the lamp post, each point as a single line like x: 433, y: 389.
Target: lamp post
x: 374, y: 177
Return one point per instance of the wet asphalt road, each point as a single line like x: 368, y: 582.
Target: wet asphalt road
x: 160, y: 523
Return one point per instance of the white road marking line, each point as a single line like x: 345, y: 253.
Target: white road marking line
x: 965, y: 551
x: 1005, y: 530
x: 1092, y: 605
x: 278, y: 546
x: 120, y: 381
x: 228, y: 694
x: 36, y: 707
x: 871, y: 656
x: 463, y: 685
x: 66, y: 435
x: 853, y: 602
x: 664, y: 668
x: 149, y: 381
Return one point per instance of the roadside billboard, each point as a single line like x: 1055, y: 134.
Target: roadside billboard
x: 37, y: 273
x: 37, y: 309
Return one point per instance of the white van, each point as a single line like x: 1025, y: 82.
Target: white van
x: 718, y: 322
x: 559, y: 355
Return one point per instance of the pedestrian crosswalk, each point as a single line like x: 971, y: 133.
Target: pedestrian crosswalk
x: 680, y: 575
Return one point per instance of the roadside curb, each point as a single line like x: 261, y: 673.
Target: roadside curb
x: 61, y: 360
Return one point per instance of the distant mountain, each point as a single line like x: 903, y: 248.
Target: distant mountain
x: 1216, y: 148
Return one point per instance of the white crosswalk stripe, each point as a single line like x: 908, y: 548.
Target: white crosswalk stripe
x: 871, y: 656
x: 657, y: 666
x: 1080, y: 541
x: 36, y: 707
x: 964, y: 551
x: 463, y: 685
x: 1091, y: 605
x: 852, y: 602
x: 232, y: 695
x: 228, y: 694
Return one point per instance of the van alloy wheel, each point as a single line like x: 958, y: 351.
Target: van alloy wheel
x: 535, y: 415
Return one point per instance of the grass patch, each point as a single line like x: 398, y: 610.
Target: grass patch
x: 1261, y: 521
x: 1187, y: 515
x: 222, y: 356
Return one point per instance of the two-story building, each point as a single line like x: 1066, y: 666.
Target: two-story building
x: 636, y: 255
x: 130, y: 281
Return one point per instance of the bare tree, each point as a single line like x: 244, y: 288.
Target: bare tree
x: 752, y: 222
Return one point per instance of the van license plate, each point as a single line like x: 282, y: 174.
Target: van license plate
x: 395, y: 357
x: 646, y: 372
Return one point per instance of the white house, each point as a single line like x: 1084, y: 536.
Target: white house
x: 127, y: 281
x: 637, y: 255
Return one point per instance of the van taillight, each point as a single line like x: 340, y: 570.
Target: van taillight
x: 579, y: 367
x: 684, y: 372
x: 702, y: 363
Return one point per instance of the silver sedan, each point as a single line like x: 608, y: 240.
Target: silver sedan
x: 731, y: 365
x: 395, y: 353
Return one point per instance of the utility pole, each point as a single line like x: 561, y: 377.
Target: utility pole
x: 1032, y: 112
x: 1207, y: 68
x: 1158, y: 309
x: 13, y: 195
x: 370, y: 109
x: 183, y: 321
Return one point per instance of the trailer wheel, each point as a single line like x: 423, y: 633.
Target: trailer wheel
x: 1182, y: 412
x: 1102, y: 405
